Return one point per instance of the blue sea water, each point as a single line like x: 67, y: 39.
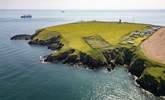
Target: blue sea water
x: 24, y: 77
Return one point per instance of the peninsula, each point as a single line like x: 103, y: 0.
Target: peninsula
x: 96, y: 44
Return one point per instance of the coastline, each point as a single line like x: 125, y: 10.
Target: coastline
x: 69, y: 56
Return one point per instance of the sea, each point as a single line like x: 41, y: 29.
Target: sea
x: 24, y: 77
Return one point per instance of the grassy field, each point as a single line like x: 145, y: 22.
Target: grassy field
x: 96, y: 42
x: 73, y: 34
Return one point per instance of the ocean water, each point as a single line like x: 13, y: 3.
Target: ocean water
x: 24, y: 77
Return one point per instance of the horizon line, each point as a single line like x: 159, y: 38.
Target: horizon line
x: 81, y: 9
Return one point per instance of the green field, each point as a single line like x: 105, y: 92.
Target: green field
x: 74, y: 34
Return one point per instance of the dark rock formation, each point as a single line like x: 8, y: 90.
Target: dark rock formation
x: 70, y: 57
x: 149, y: 83
x: 137, y: 67
x: 161, y: 89
x: 59, y: 57
x: 152, y: 83
x: 119, y: 56
x: 53, y: 43
x: 52, y: 40
x: 55, y: 46
x: 21, y: 37
x: 90, y: 62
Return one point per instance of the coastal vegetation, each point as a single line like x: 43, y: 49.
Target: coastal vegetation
x: 75, y: 35
x: 96, y: 44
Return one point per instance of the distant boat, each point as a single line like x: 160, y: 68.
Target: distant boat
x: 62, y: 11
x: 26, y: 16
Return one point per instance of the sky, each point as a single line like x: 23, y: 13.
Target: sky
x: 83, y: 4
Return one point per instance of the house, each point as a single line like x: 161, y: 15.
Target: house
x: 135, y: 33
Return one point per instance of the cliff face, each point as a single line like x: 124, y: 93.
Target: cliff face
x: 137, y: 67
x: 153, y: 80
x: 70, y: 56
x: 114, y: 57
x: 119, y: 55
x: 149, y: 83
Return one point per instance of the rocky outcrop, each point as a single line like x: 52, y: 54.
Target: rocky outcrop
x: 92, y: 63
x: 70, y: 57
x: 58, y: 57
x: 53, y: 43
x: 114, y: 57
x: 153, y: 80
x: 150, y: 83
x: 137, y: 67
x: 119, y: 56
x: 21, y: 37
x: 52, y: 40
x: 161, y: 89
x: 55, y: 46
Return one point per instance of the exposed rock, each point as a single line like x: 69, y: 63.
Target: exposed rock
x: 153, y: 80
x: 21, y: 37
x: 119, y: 56
x: 90, y: 62
x: 53, y: 43
x: 55, y: 46
x: 137, y: 67
x: 71, y: 59
x: 58, y: 57
x: 149, y: 83
x: 52, y: 40
x: 161, y: 89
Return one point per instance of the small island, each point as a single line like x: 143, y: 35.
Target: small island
x: 96, y: 44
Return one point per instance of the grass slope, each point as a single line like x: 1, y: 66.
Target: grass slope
x: 73, y: 34
x: 156, y: 72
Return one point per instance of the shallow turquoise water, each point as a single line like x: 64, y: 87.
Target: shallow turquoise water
x: 23, y: 77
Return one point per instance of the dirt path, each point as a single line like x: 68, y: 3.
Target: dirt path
x: 154, y: 46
